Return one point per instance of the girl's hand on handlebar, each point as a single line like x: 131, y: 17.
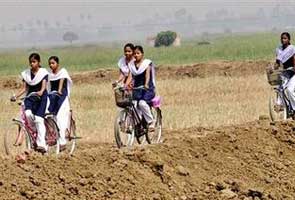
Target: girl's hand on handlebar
x: 40, y: 93
x: 13, y: 98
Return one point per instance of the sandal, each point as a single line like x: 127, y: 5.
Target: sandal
x: 41, y: 150
x: 62, y: 148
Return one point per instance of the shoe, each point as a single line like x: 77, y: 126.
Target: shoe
x: 62, y: 148
x: 41, y: 150
x: 151, y: 127
x: 278, y: 108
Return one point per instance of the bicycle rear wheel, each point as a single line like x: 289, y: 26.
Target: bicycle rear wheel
x: 16, y: 140
x: 277, y: 107
x: 124, y: 129
x: 71, y: 137
x: 155, y: 136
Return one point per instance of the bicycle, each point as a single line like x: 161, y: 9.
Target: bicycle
x: 129, y: 125
x: 26, y: 134
x: 279, y: 104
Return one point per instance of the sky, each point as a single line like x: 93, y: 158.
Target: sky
x: 18, y: 18
x: 112, y: 11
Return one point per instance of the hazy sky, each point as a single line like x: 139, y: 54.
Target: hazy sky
x: 112, y: 11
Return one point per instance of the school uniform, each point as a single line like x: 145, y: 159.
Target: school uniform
x: 124, y: 67
x: 144, y: 97
x: 60, y: 104
x: 286, y: 56
x: 35, y: 108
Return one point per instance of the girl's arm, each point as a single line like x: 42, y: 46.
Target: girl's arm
x: 147, y: 77
x: 129, y: 80
x: 22, y: 90
x: 121, y: 77
x: 60, y: 86
x: 43, y: 88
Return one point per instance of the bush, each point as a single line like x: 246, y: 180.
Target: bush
x: 70, y: 37
x: 165, y: 38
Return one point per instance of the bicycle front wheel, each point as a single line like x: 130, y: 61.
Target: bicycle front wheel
x: 124, y: 129
x: 16, y: 140
x: 277, y: 107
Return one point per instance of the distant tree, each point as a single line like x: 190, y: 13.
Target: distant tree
x: 89, y: 17
x: 57, y: 23
x: 70, y: 37
x: 165, y: 38
x: 46, y: 24
x: 82, y: 17
x: 38, y: 22
x: 69, y: 19
x: 227, y: 31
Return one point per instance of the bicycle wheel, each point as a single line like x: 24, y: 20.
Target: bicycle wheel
x: 52, y: 135
x: 155, y: 136
x: 124, y: 129
x: 277, y: 107
x: 16, y: 140
x: 71, y: 137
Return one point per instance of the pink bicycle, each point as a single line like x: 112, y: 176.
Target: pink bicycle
x: 22, y: 135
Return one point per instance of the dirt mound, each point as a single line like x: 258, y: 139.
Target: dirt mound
x: 201, y: 70
x: 251, y: 161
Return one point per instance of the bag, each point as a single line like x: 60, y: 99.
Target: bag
x: 274, y: 78
x: 123, y: 97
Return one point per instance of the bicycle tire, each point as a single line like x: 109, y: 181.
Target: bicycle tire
x: 71, y: 137
x: 52, y: 128
x: 277, y: 115
x: 118, y: 127
x: 10, y: 139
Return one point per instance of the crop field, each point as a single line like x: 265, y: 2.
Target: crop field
x: 218, y: 142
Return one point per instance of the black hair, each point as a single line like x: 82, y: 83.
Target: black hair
x: 130, y: 45
x: 286, y: 34
x: 34, y: 56
x: 55, y: 58
x: 140, y: 48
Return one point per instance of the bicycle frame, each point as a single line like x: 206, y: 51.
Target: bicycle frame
x: 286, y: 102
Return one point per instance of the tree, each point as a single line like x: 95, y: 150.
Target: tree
x: 165, y: 38
x: 70, y: 37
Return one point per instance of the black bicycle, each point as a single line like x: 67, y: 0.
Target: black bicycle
x: 129, y: 125
x: 279, y: 105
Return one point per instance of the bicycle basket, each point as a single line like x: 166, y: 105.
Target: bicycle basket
x: 274, y: 78
x: 123, y: 98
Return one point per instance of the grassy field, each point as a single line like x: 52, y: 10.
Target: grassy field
x: 211, y: 101
x: 89, y: 57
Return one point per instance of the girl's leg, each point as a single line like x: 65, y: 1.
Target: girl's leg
x: 63, y: 118
x: 146, y: 111
x: 290, y: 91
x: 39, y: 121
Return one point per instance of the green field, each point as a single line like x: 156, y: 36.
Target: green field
x: 89, y: 57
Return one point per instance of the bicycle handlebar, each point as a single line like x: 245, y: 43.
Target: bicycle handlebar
x: 136, y: 88
x: 32, y: 94
x: 54, y: 93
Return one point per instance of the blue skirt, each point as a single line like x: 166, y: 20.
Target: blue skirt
x: 146, y: 95
x: 55, y: 103
x: 37, y: 106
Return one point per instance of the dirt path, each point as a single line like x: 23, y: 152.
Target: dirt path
x: 201, y: 70
x: 250, y: 161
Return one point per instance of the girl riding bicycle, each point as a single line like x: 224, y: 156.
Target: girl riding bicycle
x: 35, y: 81
x: 285, y: 55
x: 143, y: 74
x: 60, y: 85
x: 124, y: 63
